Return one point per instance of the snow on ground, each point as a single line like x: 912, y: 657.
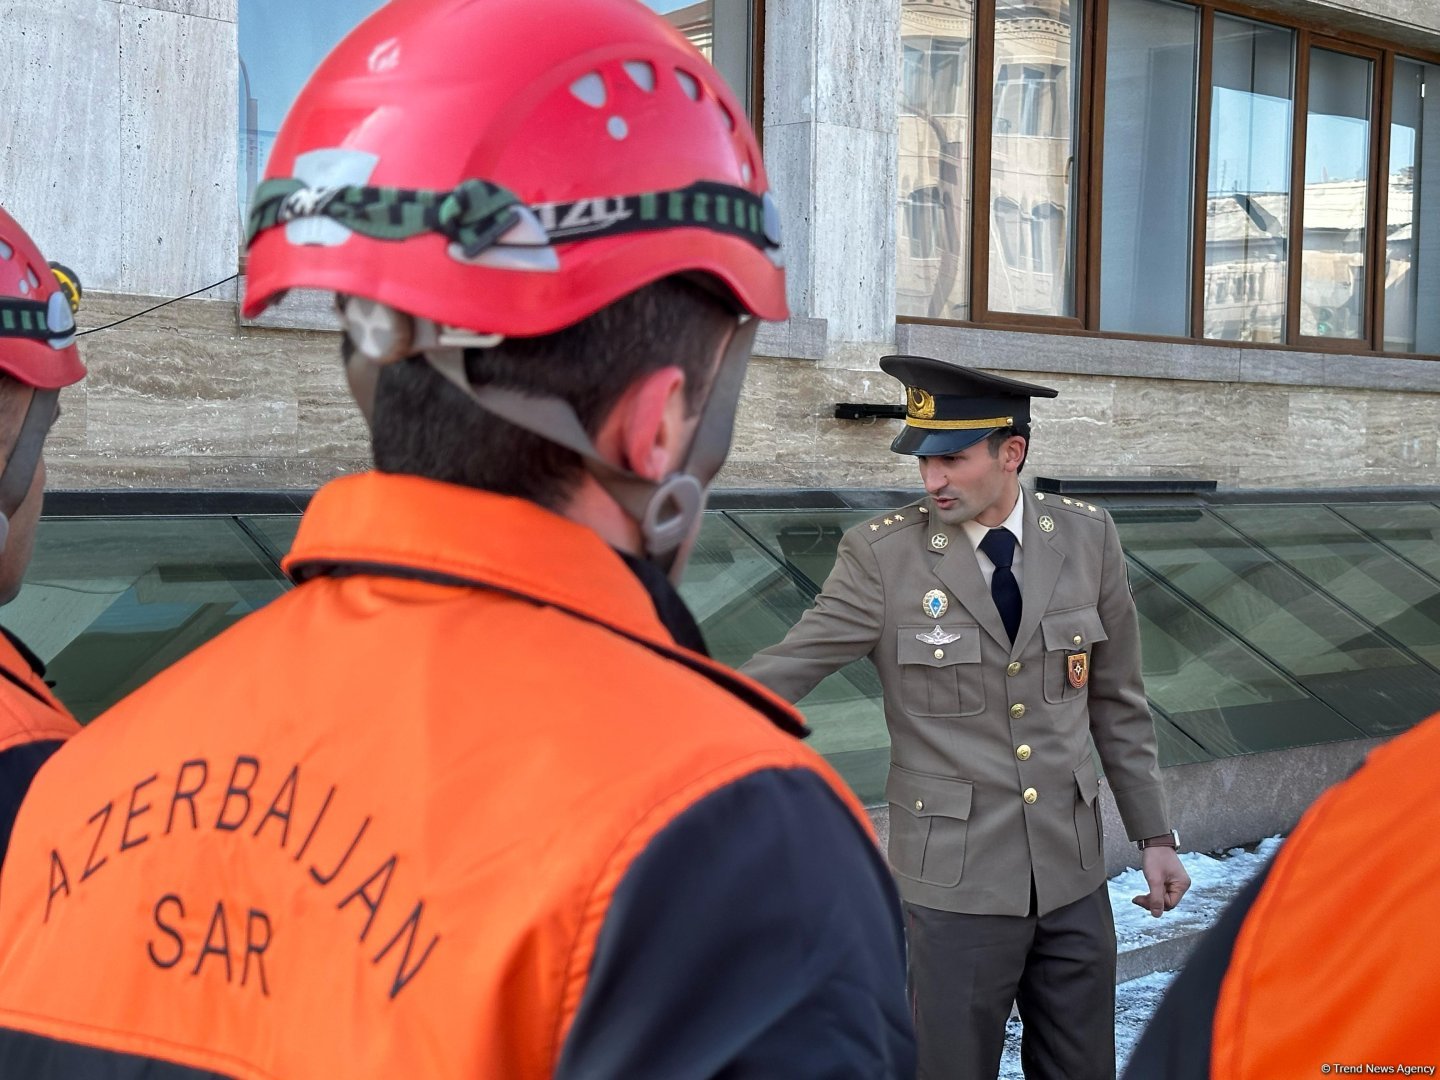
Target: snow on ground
x: 1214, y: 880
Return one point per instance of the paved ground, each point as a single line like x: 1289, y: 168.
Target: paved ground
x: 1150, y: 948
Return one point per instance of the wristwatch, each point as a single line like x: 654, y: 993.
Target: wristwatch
x: 1170, y: 840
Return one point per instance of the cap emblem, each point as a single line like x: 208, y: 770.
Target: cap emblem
x: 921, y: 403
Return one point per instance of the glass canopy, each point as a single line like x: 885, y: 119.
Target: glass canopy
x: 1263, y: 625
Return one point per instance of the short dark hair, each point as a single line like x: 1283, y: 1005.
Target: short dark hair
x: 424, y: 426
x: 996, y: 439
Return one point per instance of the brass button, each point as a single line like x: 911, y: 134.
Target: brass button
x: 1077, y: 639
x: 1023, y: 752
x: 1013, y: 668
x: 919, y: 804
x: 1031, y: 796
x: 939, y: 654
x: 1016, y: 711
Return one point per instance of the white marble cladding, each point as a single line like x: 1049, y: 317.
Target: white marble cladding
x: 120, y: 125
x: 187, y: 398
x: 831, y: 72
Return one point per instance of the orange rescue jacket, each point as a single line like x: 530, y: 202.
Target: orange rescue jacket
x: 374, y: 827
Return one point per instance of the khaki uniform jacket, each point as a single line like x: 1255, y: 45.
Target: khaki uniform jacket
x: 992, y: 779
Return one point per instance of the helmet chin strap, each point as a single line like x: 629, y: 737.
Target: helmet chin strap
x: 24, y: 457
x: 668, y: 511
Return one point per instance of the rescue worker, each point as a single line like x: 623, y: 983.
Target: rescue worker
x: 38, y: 301
x: 1001, y: 625
x: 461, y: 804
x: 1325, y: 963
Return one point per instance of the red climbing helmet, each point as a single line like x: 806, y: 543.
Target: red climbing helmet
x: 37, y: 313
x: 512, y: 166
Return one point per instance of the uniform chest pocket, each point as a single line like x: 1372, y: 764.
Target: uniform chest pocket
x: 1069, y: 635
x: 940, y: 671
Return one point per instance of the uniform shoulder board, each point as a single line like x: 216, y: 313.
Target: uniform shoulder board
x: 1049, y: 500
x: 893, y: 520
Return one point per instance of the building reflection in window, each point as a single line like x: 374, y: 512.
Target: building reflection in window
x: 1148, y: 195
x: 1336, y: 207
x: 1247, y: 219
x: 1032, y: 146
x: 936, y: 90
x: 1412, y: 237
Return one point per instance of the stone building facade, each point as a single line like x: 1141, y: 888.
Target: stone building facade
x: 123, y: 161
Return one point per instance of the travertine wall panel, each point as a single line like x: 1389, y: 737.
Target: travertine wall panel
x: 178, y: 137
x: 60, y: 162
x: 186, y: 397
x: 119, y: 124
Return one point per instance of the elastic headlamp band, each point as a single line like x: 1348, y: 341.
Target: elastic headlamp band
x: 477, y: 213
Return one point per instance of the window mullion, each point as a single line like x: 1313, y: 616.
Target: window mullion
x: 1203, y: 93
x: 1380, y: 209
x: 1089, y: 173
x: 984, y: 116
x: 1300, y: 95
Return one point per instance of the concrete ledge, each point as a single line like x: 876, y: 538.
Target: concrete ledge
x: 1091, y: 354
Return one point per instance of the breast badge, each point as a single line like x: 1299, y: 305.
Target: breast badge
x: 936, y: 636
x: 936, y: 603
x: 1077, y: 667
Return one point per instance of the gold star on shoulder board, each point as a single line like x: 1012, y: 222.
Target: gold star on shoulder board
x: 874, y: 527
x: 889, y: 521
x: 899, y: 517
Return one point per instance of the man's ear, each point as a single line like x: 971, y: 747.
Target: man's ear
x: 1012, y: 452
x: 648, y: 424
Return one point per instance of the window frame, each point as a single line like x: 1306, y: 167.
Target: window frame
x: 1087, y: 169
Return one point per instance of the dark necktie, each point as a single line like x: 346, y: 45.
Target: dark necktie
x: 999, y: 546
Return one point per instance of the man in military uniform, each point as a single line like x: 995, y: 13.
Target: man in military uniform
x: 1002, y: 627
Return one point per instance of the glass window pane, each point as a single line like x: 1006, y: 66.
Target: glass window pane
x: 722, y: 31
x: 1214, y: 687
x: 1146, y: 206
x: 1037, y: 46
x: 748, y: 585
x: 1411, y: 530
x: 1337, y: 196
x: 1247, y: 217
x: 110, y: 602
x: 1330, y: 652
x: 1363, y: 574
x: 936, y: 91
x: 1412, y: 237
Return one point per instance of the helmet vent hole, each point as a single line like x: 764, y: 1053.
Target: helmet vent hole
x: 34, y: 281
x: 641, y: 74
x: 24, y: 287
x: 6, y: 250
x: 729, y: 119
x: 617, y: 127
x: 746, y: 173
x: 689, y: 84
x: 590, y: 89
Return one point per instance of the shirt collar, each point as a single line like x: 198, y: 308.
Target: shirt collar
x: 975, y: 532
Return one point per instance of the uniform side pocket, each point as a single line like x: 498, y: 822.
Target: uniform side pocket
x: 940, y: 669
x: 1087, y: 812
x: 929, y: 818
